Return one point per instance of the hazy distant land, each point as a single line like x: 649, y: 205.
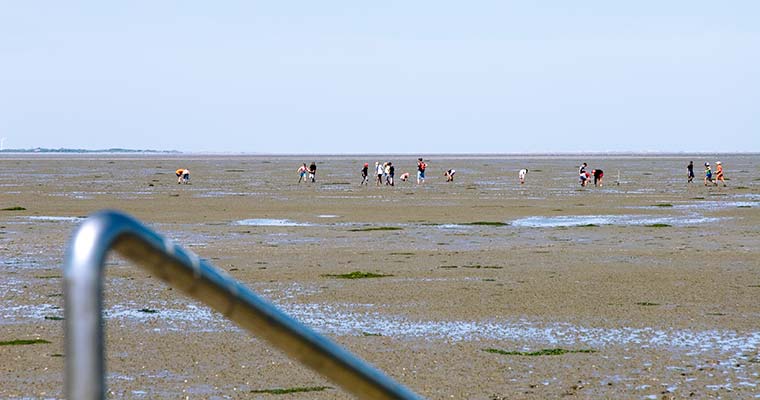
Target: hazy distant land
x: 66, y: 150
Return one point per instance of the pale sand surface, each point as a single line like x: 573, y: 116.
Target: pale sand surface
x: 670, y: 312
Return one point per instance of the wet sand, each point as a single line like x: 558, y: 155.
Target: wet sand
x: 655, y: 280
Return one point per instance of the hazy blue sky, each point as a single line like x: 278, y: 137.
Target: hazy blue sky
x: 385, y: 77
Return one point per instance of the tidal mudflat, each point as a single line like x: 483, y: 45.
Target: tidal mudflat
x: 482, y: 288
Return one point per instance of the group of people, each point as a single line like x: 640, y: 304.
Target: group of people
x: 708, y: 173
x: 584, y: 176
x: 386, y: 172
x: 311, y: 170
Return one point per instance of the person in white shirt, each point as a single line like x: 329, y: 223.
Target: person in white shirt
x: 522, y: 174
x: 379, y: 170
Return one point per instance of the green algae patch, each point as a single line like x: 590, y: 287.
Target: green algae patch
x: 401, y: 254
x: 23, y: 342
x: 16, y: 208
x: 292, y: 390
x: 148, y: 311
x: 663, y: 205
x: 53, y: 318
x: 371, y: 334
x: 356, y: 275
x: 647, y: 304
x: 487, y: 223
x: 542, y: 352
x: 48, y: 276
x: 376, y: 228
x: 659, y: 225
x: 588, y: 226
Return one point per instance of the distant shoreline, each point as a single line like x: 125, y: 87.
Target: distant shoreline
x: 40, y: 150
x: 124, y: 151
x: 154, y: 154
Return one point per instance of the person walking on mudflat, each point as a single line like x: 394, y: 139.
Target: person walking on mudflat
x: 313, y: 171
x: 690, y: 172
x: 521, y: 175
x: 302, y: 173
x: 421, y: 166
x: 365, y: 172
x: 719, y: 173
x: 708, y: 174
x: 379, y: 170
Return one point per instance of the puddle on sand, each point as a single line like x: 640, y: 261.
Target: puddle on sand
x: 50, y: 218
x: 17, y: 314
x: 328, y: 318
x: 270, y: 222
x: 580, y: 220
x: 351, y: 319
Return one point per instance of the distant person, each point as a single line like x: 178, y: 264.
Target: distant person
x: 719, y: 173
x: 302, y: 171
x: 379, y: 170
x: 421, y: 166
x: 450, y: 175
x: 183, y: 175
x: 522, y: 174
x: 404, y: 177
x: 690, y: 172
x: 708, y: 174
x: 391, y: 173
x: 387, y: 172
x: 598, y: 175
x: 313, y: 171
x: 365, y: 172
x: 584, y: 177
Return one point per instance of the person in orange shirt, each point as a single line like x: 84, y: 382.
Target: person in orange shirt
x: 719, y: 173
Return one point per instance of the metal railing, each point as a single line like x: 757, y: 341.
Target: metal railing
x: 83, y: 286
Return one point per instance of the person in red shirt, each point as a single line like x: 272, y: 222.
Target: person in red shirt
x: 421, y: 171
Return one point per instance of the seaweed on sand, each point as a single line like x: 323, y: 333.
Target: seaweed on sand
x: 23, y: 342
x: 542, y: 352
x: 487, y: 223
x: 356, y: 275
x: 376, y: 228
x: 292, y: 390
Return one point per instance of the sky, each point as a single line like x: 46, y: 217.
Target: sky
x: 382, y: 77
